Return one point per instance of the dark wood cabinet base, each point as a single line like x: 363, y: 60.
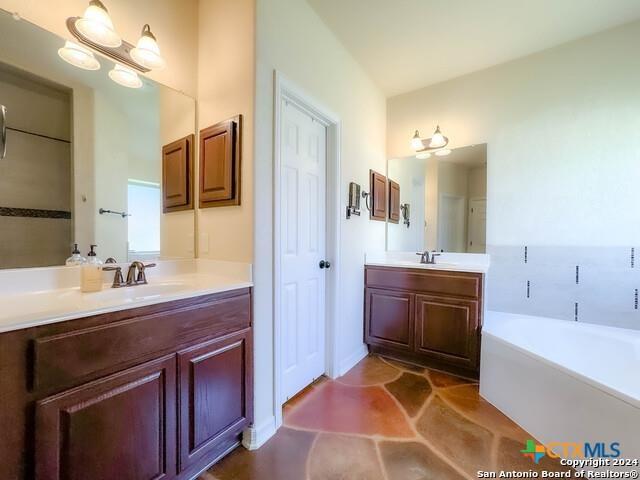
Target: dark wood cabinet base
x: 425, y: 316
x: 152, y: 393
x: 411, y: 358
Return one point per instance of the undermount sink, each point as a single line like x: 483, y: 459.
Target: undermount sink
x: 140, y: 292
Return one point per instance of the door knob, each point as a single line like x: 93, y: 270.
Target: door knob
x: 324, y: 264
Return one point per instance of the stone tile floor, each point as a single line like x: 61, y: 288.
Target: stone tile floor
x: 385, y: 420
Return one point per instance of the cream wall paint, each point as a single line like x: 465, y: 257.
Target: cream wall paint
x: 562, y: 133
x: 172, y: 21
x: 292, y: 39
x: 226, y: 80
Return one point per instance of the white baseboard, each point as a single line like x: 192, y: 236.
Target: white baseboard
x: 255, y: 436
x: 351, y: 361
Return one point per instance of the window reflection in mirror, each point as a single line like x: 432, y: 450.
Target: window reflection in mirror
x: 77, y: 143
x: 447, y: 202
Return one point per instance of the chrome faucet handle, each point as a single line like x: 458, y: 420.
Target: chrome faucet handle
x: 424, y: 256
x: 142, y: 276
x: 433, y: 257
x: 118, y: 280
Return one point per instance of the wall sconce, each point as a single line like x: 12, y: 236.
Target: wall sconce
x: 366, y: 196
x: 95, y: 30
x: 405, y: 208
x: 353, y: 208
x: 424, y: 145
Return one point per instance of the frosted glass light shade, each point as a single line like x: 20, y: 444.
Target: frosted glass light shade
x: 96, y: 25
x: 125, y: 76
x: 438, y: 139
x: 423, y: 155
x: 147, y: 52
x: 443, y: 152
x: 416, y: 142
x: 78, y: 56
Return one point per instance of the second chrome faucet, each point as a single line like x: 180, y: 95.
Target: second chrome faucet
x: 428, y: 259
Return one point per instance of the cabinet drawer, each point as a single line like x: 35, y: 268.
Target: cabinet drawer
x: 439, y: 282
x: 62, y: 359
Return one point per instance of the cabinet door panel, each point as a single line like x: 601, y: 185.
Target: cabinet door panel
x: 394, y: 202
x: 214, y: 393
x: 177, y: 175
x: 447, y: 329
x: 377, y: 196
x: 220, y: 164
x: 389, y: 318
x: 122, y: 426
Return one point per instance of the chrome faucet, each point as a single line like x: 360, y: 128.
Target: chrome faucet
x: 428, y: 259
x: 139, y: 269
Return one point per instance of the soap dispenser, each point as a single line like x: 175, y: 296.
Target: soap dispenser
x: 91, y: 273
x: 75, y: 259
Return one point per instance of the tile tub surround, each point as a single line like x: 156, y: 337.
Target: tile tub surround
x: 586, y: 284
x: 461, y: 262
x: 37, y: 296
x: 385, y: 420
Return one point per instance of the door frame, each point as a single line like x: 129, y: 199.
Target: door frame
x: 285, y: 90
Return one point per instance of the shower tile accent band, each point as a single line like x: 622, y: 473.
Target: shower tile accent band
x: 34, y: 213
x: 591, y: 284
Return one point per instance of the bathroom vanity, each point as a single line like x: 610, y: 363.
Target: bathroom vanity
x: 426, y: 314
x: 158, y: 391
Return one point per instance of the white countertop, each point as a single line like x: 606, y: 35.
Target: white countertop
x: 25, y: 308
x: 456, y: 262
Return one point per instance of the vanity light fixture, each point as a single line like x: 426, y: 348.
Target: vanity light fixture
x: 96, y: 31
x: 438, y: 140
x: 443, y: 152
x: 423, y: 155
x: 125, y: 76
x: 96, y: 25
x: 78, y: 56
x: 147, y: 52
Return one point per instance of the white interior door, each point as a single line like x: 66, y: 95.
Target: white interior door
x: 477, y: 225
x: 451, y: 223
x: 302, y: 247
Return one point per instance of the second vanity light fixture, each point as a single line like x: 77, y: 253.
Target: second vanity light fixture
x: 424, y: 147
x: 95, y: 30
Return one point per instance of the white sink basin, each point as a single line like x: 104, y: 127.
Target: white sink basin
x: 140, y: 292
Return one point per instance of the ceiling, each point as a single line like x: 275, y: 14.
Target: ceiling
x: 408, y: 44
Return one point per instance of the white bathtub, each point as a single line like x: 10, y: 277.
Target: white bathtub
x: 564, y: 381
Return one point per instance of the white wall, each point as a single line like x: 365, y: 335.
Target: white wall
x: 292, y: 39
x: 562, y: 133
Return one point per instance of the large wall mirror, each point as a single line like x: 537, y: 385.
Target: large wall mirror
x: 84, y: 156
x: 443, y: 202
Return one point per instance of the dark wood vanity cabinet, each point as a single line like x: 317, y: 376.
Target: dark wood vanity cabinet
x: 430, y: 317
x: 158, y: 392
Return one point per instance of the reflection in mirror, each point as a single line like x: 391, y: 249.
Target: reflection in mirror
x: 443, y: 202
x: 83, y: 159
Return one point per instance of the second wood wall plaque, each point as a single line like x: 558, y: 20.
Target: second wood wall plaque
x: 220, y: 159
